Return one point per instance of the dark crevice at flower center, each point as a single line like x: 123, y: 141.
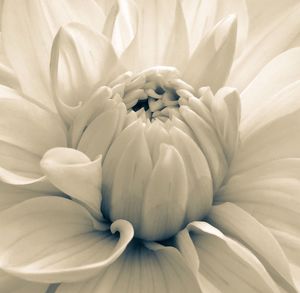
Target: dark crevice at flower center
x: 154, y: 93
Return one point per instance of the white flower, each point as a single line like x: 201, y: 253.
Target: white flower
x: 149, y: 146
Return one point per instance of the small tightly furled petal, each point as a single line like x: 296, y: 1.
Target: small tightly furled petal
x: 226, y: 112
x: 10, y: 284
x: 75, y: 174
x: 80, y: 59
x: 53, y: 240
x: 238, y: 224
x: 204, y: 67
x: 227, y: 264
x: 28, y: 31
x: 149, y: 269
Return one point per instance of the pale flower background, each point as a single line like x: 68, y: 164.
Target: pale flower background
x: 150, y: 146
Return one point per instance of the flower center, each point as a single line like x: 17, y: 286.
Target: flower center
x: 161, y: 169
x: 155, y: 92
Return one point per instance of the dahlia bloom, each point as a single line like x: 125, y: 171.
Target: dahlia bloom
x: 150, y: 146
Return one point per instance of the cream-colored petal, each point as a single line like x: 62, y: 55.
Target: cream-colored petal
x: 218, y: 47
x: 51, y: 239
x: 177, y: 51
x: 226, y: 112
x: 75, y: 174
x: 100, y: 133
x: 166, y: 195
x: 80, y: 59
x: 269, y: 192
x: 11, y: 195
x: 273, y: 27
x: 282, y: 71
x: 198, y: 174
x: 10, y: 284
x: 227, y: 264
x: 209, y: 143
x: 125, y: 25
x: 130, y: 181
x: 28, y: 31
x: 98, y: 103
x: 152, y: 269
x: 26, y: 132
x: 150, y: 42
x: 238, y: 224
x: 202, y: 15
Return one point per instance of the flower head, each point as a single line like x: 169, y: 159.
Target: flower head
x: 149, y: 147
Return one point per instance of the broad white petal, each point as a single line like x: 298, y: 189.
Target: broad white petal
x: 26, y: 132
x: 227, y: 264
x: 282, y: 71
x: 53, y: 240
x: 28, y: 31
x: 150, y: 269
x: 238, y: 224
x: 269, y: 192
x: 177, y: 51
x: 218, y: 47
x: 155, y: 34
x: 273, y: 27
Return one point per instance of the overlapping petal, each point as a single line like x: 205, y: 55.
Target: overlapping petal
x: 225, y: 264
x: 28, y: 31
x: 150, y: 269
x: 51, y: 239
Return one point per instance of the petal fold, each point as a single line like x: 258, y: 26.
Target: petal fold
x: 28, y: 31
x: 76, y: 175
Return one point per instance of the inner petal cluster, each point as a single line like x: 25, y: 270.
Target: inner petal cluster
x: 165, y: 148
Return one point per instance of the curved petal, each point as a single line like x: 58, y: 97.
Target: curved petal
x: 282, y: 71
x: 76, y: 175
x: 226, y: 264
x: 125, y: 26
x: 202, y: 15
x: 238, y: 224
x: 10, y: 284
x: 100, y: 133
x: 51, y: 239
x: 273, y: 27
x: 28, y: 31
x: 80, y: 59
x: 147, y: 269
x: 203, y: 68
